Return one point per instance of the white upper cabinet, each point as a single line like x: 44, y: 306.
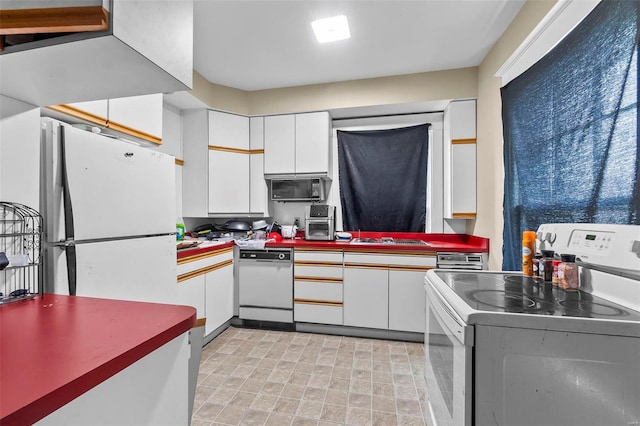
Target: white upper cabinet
x: 280, y: 144
x: 142, y: 114
x: 217, y: 171
x: 297, y: 144
x: 312, y: 143
x: 460, y: 160
x: 137, y: 116
x: 228, y: 131
x: 147, y: 48
x: 258, y: 192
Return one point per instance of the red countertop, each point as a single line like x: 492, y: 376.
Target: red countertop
x: 436, y: 243
x: 54, y: 348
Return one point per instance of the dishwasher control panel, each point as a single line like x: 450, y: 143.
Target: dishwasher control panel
x: 266, y: 254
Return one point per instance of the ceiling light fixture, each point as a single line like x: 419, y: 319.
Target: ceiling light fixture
x: 331, y: 29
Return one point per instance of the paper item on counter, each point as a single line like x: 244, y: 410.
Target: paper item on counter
x: 255, y: 244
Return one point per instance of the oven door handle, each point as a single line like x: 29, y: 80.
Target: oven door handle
x: 447, y: 317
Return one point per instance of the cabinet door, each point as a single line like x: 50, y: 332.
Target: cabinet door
x: 228, y: 182
x: 219, y: 297
x: 406, y: 300
x: 279, y: 144
x: 366, y: 297
x: 463, y: 119
x: 191, y: 292
x: 463, y: 179
x: 139, y: 113
x: 228, y: 130
x: 312, y: 142
x: 258, y: 186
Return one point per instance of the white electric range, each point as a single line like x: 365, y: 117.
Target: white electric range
x: 505, y: 349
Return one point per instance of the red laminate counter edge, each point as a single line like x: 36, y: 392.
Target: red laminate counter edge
x: 55, y: 348
x: 436, y: 243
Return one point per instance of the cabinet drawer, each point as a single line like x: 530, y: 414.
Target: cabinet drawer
x: 317, y: 313
x: 204, y: 260
x: 318, y: 271
x: 332, y: 257
x: 318, y: 291
x: 351, y: 259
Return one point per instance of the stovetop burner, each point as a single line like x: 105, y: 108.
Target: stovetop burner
x: 501, y: 292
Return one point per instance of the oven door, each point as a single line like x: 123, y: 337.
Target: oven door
x: 448, y: 363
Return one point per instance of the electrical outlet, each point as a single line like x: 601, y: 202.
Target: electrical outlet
x: 296, y: 222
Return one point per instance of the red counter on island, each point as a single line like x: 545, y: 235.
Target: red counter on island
x: 55, y: 348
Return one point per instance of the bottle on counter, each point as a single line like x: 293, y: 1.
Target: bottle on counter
x: 545, y: 265
x: 528, y: 250
x: 555, y: 263
x: 568, y: 273
x: 537, y: 259
x: 180, y: 229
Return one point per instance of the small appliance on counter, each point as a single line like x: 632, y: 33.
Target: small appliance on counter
x: 320, y: 222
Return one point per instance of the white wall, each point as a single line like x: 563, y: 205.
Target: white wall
x: 20, y: 158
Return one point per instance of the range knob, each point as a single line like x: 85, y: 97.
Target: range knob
x: 281, y: 256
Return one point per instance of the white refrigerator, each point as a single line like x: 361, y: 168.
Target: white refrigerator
x: 109, y: 208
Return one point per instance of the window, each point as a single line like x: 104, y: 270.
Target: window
x: 434, y: 203
x: 571, y: 151
x: 383, y: 179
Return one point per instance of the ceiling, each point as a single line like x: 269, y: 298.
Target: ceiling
x: 265, y: 44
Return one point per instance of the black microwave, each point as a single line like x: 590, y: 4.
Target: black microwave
x: 307, y: 189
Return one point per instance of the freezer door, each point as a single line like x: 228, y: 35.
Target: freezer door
x: 115, y: 188
x: 139, y: 269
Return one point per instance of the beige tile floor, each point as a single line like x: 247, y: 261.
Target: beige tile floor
x: 258, y: 377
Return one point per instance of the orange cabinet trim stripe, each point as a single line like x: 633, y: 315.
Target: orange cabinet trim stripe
x: 200, y: 322
x: 179, y: 162
x: 396, y: 252
x: 462, y: 141
x: 318, y: 279
x: 317, y: 263
x: 317, y: 302
x: 227, y: 149
x: 203, y: 271
x: 78, y: 113
x: 316, y: 249
x: 464, y: 215
x: 204, y: 255
x: 53, y: 20
x: 134, y: 132
x: 410, y: 268
x: 256, y: 151
x: 365, y: 266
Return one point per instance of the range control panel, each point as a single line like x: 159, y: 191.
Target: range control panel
x: 592, y: 242
x: 602, y: 244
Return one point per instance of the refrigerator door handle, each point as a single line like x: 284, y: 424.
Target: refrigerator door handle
x: 72, y: 274
x: 66, y: 195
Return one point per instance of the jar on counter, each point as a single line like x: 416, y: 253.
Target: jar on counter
x: 555, y: 263
x: 568, y: 273
x: 545, y: 265
x: 537, y: 259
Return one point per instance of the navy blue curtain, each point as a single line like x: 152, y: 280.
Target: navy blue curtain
x: 383, y: 179
x: 571, y: 151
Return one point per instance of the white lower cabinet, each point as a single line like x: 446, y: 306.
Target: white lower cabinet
x: 318, y: 287
x: 205, y: 281
x: 218, y: 297
x: 366, y: 297
x: 406, y: 300
x: 386, y: 291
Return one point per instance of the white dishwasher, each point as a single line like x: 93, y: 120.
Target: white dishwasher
x: 265, y: 286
